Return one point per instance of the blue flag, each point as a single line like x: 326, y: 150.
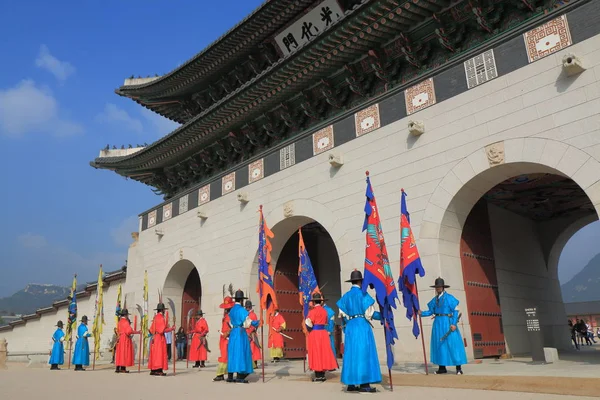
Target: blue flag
x: 307, y: 282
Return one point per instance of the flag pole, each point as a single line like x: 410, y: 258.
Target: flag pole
x: 70, y: 348
x: 422, y: 333
x: 141, y: 354
x: 262, y: 352
x: 385, y: 333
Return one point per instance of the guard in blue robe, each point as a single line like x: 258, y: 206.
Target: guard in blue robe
x: 81, y: 355
x: 447, y: 348
x: 57, y: 357
x: 361, y: 363
x: 331, y: 326
x: 239, y: 354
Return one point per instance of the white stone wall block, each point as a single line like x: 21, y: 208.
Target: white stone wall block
x: 513, y: 150
x: 441, y: 198
x: 553, y: 152
x: 451, y: 184
x: 463, y: 171
x: 433, y: 213
x: 572, y: 161
x: 454, y: 220
x: 451, y: 234
x: 427, y: 230
x: 593, y: 192
x: 533, y: 149
x: 479, y: 161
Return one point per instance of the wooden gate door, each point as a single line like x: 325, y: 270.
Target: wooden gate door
x: 481, y: 284
x: 192, y: 294
x: 286, y: 290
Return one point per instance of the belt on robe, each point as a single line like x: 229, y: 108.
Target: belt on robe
x: 443, y: 315
x: 356, y: 316
x: 318, y: 327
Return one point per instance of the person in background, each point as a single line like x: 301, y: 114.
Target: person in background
x: 180, y: 342
x: 590, y: 332
x: 572, y: 329
x: 113, y: 344
x: 81, y: 356
x: 57, y: 357
x: 275, y: 337
x: 169, y: 339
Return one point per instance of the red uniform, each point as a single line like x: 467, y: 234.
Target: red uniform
x: 198, y: 348
x: 256, y: 354
x: 320, y: 354
x: 225, y: 328
x: 275, y: 338
x: 124, y: 352
x: 158, y: 347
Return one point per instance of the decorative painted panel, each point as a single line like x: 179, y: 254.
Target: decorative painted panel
x: 323, y: 140
x: 152, y: 219
x: 287, y: 156
x: 367, y: 120
x: 548, y: 38
x: 480, y: 69
x: 256, y: 171
x: 228, y: 183
x: 183, y: 204
x: 167, y: 211
x: 420, y: 96
x: 204, y: 195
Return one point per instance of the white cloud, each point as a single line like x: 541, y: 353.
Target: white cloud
x: 60, y: 69
x: 112, y: 114
x: 27, y: 108
x: 161, y: 125
x: 121, y: 235
x: 32, y: 241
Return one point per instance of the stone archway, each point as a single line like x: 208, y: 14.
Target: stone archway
x: 448, y: 218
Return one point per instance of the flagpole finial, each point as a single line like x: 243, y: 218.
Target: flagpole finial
x: 260, y: 207
x: 402, y: 190
x: 367, y: 173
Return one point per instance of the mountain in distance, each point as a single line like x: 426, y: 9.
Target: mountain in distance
x: 585, y: 285
x: 34, y: 296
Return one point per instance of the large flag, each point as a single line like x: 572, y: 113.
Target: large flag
x: 118, y: 308
x: 144, y: 322
x: 98, y: 316
x: 410, y: 265
x: 265, y: 287
x: 378, y: 273
x: 307, y: 282
x: 72, y: 311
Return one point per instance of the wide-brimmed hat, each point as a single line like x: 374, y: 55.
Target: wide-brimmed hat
x: 239, y: 295
x: 160, y: 307
x: 248, y: 304
x: 355, y: 276
x: 317, y: 297
x: 124, y: 312
x: 439, y: 282
x: 59, y: 324
x: 200, y: 312
x: 227, y: 303
x: 84, y: 318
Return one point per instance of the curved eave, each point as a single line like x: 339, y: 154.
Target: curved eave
x: 256, y: 93
x: 252, y: 30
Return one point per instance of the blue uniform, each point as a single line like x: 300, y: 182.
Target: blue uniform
x: 330, y: 326
x: 81, y: 355
x: 239, y: 355
x: 361, y: 363
x: 450, y: 351
x: 58, y: 352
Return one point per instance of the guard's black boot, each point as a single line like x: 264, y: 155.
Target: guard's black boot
x: 459, y: 370
x: 366, y: 388
x: 54, y: 366
x: 241, y: 378
x: 441, y: 370
x: 352, y: 388
x: 196, y: 365
x: 202, y: 364
x: 230, y: 377
x: 218, y: 378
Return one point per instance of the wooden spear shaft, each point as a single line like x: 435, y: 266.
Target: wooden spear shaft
x: 422, y: 333
x: 262, y: 347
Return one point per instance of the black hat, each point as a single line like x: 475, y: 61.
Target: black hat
x: 248, y: 304
x: 318, y: 297
x: 199, y: 312
x: 59, y: 324
x: 439, y: 282
x: 124, y: 312
x: 239, y: 295
x: 356, y: 275
x: 160, y: 307
x: 84, y: 318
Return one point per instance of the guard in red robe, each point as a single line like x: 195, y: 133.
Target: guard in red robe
x: 252, y: 335
x: 199, y: 347
x: 124, y: 350
x: 157, y: 361
x: 275, y: 337
x: 228, y: 303
x: 320, y: 354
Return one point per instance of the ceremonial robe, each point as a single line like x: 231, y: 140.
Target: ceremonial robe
x: 275, y: 338
x: 58, y: 351
x: 158, y: 346
x: 125, y: 350
x: 239, y: 355
x: 224, y: 339
x: 361, y: 363
x: 198, y: 347
x: 451, y: 350
x: 81, y: 355
x: 320, y: 355
x: 253, y: 337
x: 331, y: 326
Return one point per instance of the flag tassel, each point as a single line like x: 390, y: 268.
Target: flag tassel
x: 422, y: 333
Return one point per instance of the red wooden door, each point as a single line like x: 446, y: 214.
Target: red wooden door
x: 191, y: 300
x: 286, y: 290
x: 481, y: 284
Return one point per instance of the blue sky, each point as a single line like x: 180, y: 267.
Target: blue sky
x: 61, y: 62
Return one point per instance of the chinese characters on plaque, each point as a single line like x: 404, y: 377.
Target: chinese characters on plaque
x: 312, y: 24
x: 533, y: 323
